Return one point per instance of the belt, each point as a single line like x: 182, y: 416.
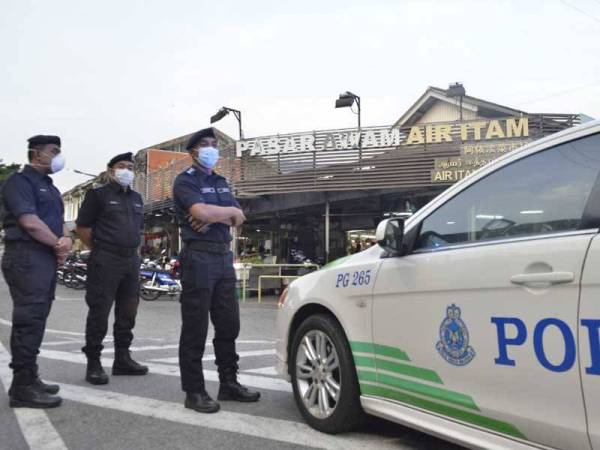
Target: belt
x: 115, y: 249
x: 208, y: 246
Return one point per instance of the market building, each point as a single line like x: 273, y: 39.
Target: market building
x: 319, y: 195
x: 322, y: 193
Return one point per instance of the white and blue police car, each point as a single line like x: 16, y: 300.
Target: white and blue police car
x: 477, y: 319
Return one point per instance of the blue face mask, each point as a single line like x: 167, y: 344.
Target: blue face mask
x: 208, y: 157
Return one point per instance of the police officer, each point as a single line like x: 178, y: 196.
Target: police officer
x: 110, y: 222
x: 35, y: 238
x: 206, y: 210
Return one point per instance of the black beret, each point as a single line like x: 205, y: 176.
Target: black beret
x: 41, y: 139
x: 195, y: 138
x: 122, y: 157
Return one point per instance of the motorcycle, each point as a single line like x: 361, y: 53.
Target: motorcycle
x: 155, y: 282
x: 75, y: 275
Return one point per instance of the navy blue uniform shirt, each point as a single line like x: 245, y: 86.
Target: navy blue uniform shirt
x: 196, y: 186
x: 116, y: 216
x: 31, y: 192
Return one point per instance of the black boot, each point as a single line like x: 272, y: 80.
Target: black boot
x: 95, y: 374
x: 47, y: 388
x: 26, y: 393
x: 201, y: 402
x: 124, y: 365
x: 230, y: 389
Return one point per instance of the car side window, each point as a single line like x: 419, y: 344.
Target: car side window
x: 540, y: 194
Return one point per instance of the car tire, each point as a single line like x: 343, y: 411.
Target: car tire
x: 347, y: 413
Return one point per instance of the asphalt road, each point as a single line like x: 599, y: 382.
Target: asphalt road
x: 147, y: 412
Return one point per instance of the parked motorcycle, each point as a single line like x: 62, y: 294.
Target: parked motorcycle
x: 75, y: 275
x: 155, y: 282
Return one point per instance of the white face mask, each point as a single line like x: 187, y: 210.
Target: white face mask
x: 124, y: 177
x: 208, y: 157
x: 58, y: 163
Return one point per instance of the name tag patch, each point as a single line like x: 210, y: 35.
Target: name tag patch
x: 208, y: 190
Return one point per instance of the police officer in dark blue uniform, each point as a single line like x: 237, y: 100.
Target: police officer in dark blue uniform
x: 35, y: 242
x: 206, y: 210
x: 111, y: 222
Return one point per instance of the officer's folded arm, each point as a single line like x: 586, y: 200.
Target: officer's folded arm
x: 37, y: 229
x: 208, y: 214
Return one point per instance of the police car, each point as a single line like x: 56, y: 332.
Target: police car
x: 477, y: 319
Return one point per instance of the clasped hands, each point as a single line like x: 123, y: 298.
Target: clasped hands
x: 62, y: 248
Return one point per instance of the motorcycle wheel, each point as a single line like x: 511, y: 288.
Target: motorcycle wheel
x: 68, y: 280
x: 148, y: 295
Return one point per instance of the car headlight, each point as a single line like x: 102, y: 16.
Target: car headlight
x: 282, y: 298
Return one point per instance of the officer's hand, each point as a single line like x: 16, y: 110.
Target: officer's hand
x: 63, y: 246
x: 196, y: 225
x: 238, y: 217
x: 61, y: 258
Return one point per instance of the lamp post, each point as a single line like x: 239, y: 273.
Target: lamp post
x: 223, y: 112
x: 346, y: 100
x: 238, y: 115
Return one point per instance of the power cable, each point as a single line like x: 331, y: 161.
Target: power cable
x: 580, y: 10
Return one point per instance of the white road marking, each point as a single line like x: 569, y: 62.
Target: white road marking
x: 50, y: 330
x: 175, y: 360
x: 172, y: 346
x: 270, y: 371
x: 53, y: 343
x: 38, y: 431
x: 232, y: 422
x: 144, y: 348
x: 255, y: 381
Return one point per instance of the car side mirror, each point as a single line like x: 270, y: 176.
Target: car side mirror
x: 390, y: 235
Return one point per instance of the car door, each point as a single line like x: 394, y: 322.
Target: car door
x: 589, y: 339
x: 483, y: 310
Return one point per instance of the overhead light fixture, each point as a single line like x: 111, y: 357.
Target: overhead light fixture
x: 219, y: 115
x: 346, y: 100
x: 223, y: 112
x: 533, y: 211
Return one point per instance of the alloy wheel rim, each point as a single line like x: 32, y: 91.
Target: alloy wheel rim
x: 318, y: 377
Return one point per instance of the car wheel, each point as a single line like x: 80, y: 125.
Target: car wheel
x: 324, y: 377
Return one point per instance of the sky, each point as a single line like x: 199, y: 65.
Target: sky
x: 117, y: 76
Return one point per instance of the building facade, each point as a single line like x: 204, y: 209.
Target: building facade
x: 319, y: 195
x: 322, y: 193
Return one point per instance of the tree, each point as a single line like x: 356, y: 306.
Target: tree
x: 6, y: 170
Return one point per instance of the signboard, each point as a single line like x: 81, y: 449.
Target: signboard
x: 473, y: 156
x: 386, y: 137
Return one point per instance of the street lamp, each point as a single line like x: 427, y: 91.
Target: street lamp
x: 223, y: 112
x: 346, y: 100
x: 84, y: 173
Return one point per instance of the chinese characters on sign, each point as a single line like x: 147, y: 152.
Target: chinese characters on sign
x: 473, y: 156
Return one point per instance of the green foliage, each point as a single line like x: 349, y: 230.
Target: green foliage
x: 6, y: 170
